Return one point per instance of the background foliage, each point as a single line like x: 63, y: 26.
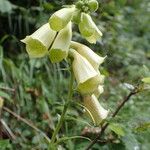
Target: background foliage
x: 36, y: 89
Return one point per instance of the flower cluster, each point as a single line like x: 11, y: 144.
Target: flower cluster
x: 55, y: 40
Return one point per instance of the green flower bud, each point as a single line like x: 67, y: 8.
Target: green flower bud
x: 88, y: 29
x: 86, y: 76
x: 61, y: 18
x: 93, y: 5
x: 37, y: 44
x: 60, y: 47
x: 94, y: 59
x: 76, y: 16
x: 79, y: 4
x: 97, y: 112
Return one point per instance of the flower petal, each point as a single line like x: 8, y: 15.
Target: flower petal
x: 99, y: 91
x: 87, y: 77
x: 94, y: 59
x: 60, y: 47
x: 37, y: 44
x: 95, y: 108
x: 88, y: 29
x: 61, y: 18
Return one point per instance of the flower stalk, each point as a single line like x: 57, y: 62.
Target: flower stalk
x: 60, y: 122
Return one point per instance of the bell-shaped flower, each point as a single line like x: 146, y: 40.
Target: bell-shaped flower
x: 38, y: 43
x: 60, y: 47
x: 86, y: 76
x: 94, y: 59
x: 95, y: 110
x: 88, y: 29
x: 99, y: 91
x: 61, y: 18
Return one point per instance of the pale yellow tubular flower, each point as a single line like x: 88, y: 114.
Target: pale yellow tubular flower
x: 37, y: 44
x: 86, y: 76
x: 60, y: 47
x: 61, y: 18
x: 94, y: 59
x: 96, y: 110
x: 99, y: 91
x: 88, y: 28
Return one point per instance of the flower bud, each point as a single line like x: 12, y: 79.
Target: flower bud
x: 61, y: 18
x: 86, y: 76
x: 76, y: 16
x: 60, y: 47
x: 94, y: 59
x: 37, y: 44
x: 88, y: 29
x: 93, y: 5
x: 79, y: 4
x: 97, y: 112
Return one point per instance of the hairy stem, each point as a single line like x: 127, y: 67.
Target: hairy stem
x: 64, y: 109
x: 104, y: 127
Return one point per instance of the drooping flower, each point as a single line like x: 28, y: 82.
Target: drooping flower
x: 88, y: 29
x: 99, y: 91
x: 86, y: 76
x: 95, y: 109
x: 94, y: 59
x: 37, y: 44
x: 60, y: 47
x: 61, y: 18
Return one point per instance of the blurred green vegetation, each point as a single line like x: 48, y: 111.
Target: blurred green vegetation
x: 36, y: 89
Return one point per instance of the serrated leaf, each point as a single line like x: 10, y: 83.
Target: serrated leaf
x: 146, y: 80
x: 117, y: 128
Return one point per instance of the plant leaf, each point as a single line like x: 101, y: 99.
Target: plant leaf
x: 117, y: 128
x: 4, y: 144
x: 146, y: 80
x: 143, y: 127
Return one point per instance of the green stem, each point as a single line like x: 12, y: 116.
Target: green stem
x: 64, y: 109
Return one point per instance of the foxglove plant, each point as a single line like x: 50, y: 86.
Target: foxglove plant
x: 38, y: 43
x: 54, y: 40
x: 60, y: 47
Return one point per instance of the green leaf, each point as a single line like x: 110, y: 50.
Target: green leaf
x: 5, y: 95
x: 4, y: 144
x: 130, y: 141
x: 143, y: 127
x: 52, y: 147
x: 117, y: 128
x: 146, y: 80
